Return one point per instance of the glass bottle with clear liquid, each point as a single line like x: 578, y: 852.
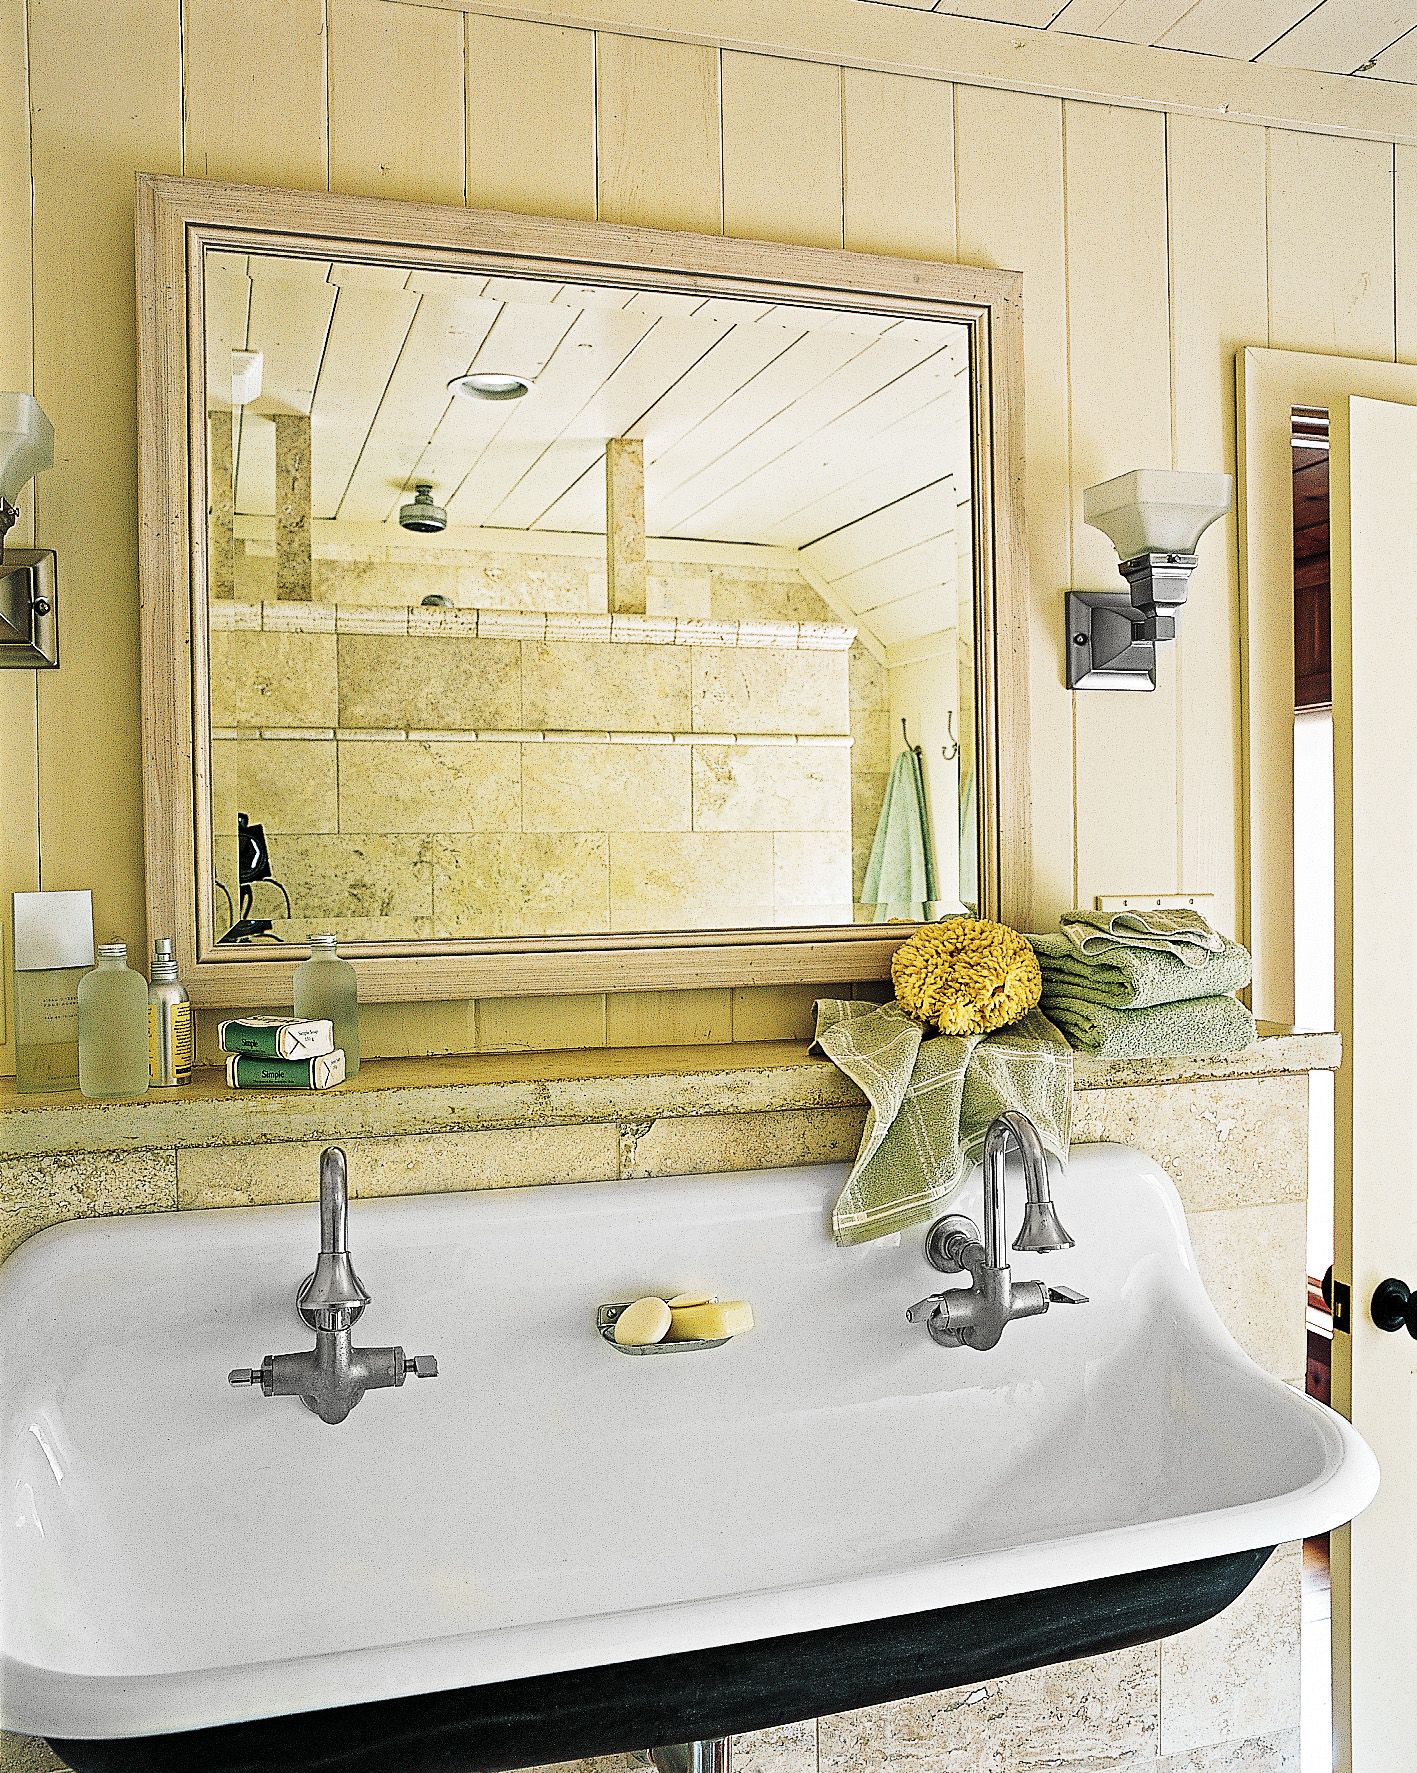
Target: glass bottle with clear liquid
x: 324, y: 988
x: 113, y: 1026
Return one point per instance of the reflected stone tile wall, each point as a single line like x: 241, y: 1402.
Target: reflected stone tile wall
x: 369, y: 751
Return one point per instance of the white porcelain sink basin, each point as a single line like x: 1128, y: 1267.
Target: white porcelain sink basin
x: 178, y: 1554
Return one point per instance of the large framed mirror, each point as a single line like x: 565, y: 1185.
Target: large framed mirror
x: 549, y: 606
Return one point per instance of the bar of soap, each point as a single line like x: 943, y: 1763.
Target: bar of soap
x: 682, y: 1299
x: 645, y: 1322
x: 708, y: 1322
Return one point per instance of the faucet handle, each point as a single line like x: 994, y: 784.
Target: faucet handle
x: 924, y: 1308
x: 1066, y: 1296
x: 420, y: 1366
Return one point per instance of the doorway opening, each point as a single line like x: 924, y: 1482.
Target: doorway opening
x: 1314, y: 947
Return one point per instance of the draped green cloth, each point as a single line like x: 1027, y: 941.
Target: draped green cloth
x: 932, y: 1099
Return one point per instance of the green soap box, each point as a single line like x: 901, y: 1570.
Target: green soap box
x: 248, y: 1071
x: 277, y: 1037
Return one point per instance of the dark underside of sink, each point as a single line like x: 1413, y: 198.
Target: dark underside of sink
x: 700, y: 1693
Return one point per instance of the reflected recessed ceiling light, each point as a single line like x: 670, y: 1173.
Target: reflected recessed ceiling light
x: 487, y: 384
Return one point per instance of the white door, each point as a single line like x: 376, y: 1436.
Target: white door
x: 1373, y: 542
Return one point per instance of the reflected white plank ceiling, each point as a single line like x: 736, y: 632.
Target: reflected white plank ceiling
x: 842, y: 438
x: 1376, y: 38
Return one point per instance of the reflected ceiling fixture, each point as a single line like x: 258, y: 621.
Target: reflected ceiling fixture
x: 248, y: 369
x: 490, y: 384
x: 423, y: 515
x: 29, y: 624
x: 1154, y: 518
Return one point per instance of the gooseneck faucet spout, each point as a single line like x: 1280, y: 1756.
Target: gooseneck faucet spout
x: 334, y: 1287
x: 331, y: 1378
x: 1041, y: 1230
x: 976, y: 1316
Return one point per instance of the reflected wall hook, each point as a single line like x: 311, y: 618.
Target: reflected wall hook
x: 949, y: 752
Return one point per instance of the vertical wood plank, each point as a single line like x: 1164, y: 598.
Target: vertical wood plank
x: 19, y: 690
x: 540, y: 1024
x: 782, y: 172
x: 397, y: 103
x: 107, y: 98
x: 1330, y: 245
x: 518, y: 76
x: 1219, y: 304
x: 658, y: 133
x: 1405, y: 222
x: 1120, y: 418
x: 1009, y: 159
x: 669, y: 1018
x: 254, y: 89
x: 899, y: 164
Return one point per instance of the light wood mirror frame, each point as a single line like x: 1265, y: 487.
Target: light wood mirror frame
x: 178, y: 219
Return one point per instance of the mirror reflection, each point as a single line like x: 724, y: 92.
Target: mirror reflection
x: 540, y: 609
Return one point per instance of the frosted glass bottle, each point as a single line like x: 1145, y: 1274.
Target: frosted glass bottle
x: 113, y: 1026
x: 325, y: 987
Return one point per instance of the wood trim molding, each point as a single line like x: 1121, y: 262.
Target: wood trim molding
x: 900, y: 39
x: 1270, y: 386
x: 177, y: 219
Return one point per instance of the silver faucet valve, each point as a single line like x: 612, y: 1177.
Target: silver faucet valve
x: 421, y: 1366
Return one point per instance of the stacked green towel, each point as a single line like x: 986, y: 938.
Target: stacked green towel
x: 932, y: 1099
x: 1195, y: 1028
x: 1180, y: 932
x: 1138, y: 978
x: 1145, y: 985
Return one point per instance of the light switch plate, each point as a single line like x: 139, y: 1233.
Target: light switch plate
x: 1202, y: 902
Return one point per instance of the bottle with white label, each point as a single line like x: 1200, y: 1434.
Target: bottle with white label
x: 113, y: 1014
x: 324, y: 990
x: 169, y: 1022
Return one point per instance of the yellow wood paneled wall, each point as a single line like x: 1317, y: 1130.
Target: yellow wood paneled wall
x: 1153, y: 245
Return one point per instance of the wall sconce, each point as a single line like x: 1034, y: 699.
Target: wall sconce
x: 29, y: 621
x: 1154, y: 517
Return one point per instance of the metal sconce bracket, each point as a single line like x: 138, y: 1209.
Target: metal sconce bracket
x: 1113, y: 635
x: 29, y: 609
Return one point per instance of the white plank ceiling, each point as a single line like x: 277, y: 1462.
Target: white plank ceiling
x: 1375, y: 38
x: 843, y: 437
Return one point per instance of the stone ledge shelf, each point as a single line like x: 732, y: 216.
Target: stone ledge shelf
x: 395, y: 1097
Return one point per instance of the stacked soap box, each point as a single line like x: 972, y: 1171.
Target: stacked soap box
x: 281, y: 1053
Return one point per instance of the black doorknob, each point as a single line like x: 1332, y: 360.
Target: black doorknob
x: 1395, y: 1307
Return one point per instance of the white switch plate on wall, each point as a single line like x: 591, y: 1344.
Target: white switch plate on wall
x: 1202, y: 902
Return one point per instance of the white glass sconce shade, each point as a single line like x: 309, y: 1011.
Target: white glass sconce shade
x: 1156, y: 510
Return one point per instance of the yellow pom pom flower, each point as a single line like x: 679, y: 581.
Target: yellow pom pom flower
x: 966, y: 976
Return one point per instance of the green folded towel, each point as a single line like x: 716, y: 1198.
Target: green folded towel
x: 900, y: 875
x: 1186, y: 934
x: 932, y: 1099
x: 1196, y: 1027
x: 1137, y: 978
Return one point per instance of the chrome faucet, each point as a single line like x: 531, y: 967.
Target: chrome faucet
x: 975, y: 1316
x: 331, y: 1378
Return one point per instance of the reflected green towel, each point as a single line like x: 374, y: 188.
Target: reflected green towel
x: 1137, y: 978
x: 1180, y: 932
x: 932, y: 1098
x: 1196, y: 1028
x: 900, y: 876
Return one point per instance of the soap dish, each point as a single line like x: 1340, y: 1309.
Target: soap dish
x: 605, y: 1320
